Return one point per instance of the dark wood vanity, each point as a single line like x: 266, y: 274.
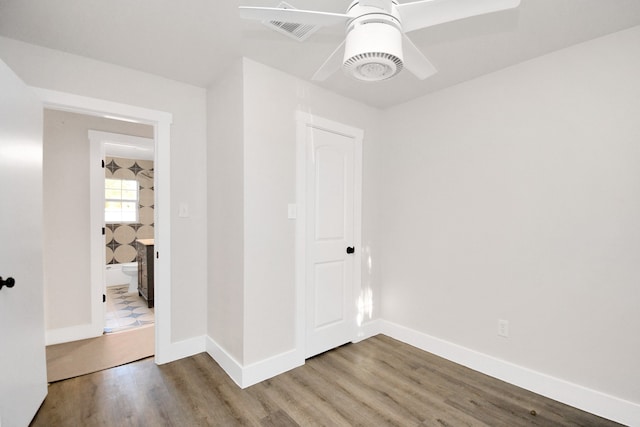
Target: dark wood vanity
x: 145, y: 269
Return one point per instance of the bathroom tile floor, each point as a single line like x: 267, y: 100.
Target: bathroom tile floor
x: 126, y: 310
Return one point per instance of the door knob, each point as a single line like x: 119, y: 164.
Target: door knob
x: 350, y: 249
x: 9, y: 283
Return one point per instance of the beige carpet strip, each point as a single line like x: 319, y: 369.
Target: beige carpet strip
x: 76, y: 358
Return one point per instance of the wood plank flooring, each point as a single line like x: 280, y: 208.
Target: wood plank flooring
x: 377, y: 382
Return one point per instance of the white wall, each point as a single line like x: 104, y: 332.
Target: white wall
x: 512, y: 196
x: 50, y: 69
x: 271, y: 99
x: 225, y: 190
x: 516, y: 196
x: 67, y: 213
x: 252, y: 179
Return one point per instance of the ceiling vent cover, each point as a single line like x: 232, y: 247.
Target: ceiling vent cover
x: 299, y: 32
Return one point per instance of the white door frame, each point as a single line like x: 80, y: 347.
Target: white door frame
x: 303, y: 121
x: 97, y: 152
x: 161, y: 122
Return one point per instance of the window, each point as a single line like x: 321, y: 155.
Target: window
x: 121, y: 200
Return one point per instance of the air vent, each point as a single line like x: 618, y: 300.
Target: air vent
x: 299, y: 32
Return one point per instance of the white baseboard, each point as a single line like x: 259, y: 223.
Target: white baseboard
x: 575, y: 395
x: 72, y: 333
x: 181, y: 349
x: 368, y: 330
x: 269, y: 368
x: 246, y: 376
x: 225, y: 360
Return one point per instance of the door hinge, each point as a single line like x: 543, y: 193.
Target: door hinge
x: 157, y: 255
x: 104, y: 231
x: 104, y: 298
x: 103, y: 164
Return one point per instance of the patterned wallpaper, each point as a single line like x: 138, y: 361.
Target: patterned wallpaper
x: 121, y: 238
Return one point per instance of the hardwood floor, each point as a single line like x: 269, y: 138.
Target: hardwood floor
x: 377, y: 382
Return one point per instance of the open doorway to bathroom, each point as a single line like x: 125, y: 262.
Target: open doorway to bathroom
x: 78, y: 234
x: 129, y: 203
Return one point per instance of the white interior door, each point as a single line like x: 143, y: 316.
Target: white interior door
x: 23, y: 377
x: 332, y: 218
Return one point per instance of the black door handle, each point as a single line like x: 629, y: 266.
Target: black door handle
x: 350, y: 249
x: 9, y: 283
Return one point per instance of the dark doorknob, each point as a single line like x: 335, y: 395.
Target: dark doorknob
x: 9, y: 283
x: 350, y: 249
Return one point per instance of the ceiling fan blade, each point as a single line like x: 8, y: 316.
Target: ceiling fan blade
x: 380, y: 4
x: 296, y: 16
x: 331, y: 65
x: 414, y: 61
x: 426, y: 13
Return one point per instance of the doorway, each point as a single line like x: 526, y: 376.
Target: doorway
x: 79, y: 276
x: 123, y: 201
x: 328, y: 232
x: 161, y: 123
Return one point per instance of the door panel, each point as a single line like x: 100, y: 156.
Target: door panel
x: 330, y: 289
x: 23, y: 384
x: 330, y: 182
x: 330, y: 213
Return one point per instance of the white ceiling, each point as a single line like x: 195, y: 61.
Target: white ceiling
x: 193, y: 40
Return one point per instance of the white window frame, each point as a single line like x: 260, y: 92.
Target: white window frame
x: 136, y: 202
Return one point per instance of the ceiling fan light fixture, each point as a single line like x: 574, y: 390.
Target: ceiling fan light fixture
x: 376, y: 32
x: 373, y: 67
x: 373, y: 51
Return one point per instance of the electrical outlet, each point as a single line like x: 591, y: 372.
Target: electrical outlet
x: 503, y: 328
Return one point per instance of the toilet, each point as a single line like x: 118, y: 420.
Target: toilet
x: 119, y: 274
x: 131, y: 270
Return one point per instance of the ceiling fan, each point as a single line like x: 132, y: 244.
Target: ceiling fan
x: 376, y: 46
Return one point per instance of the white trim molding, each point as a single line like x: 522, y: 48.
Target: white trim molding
x: 304, y: 121
x: 228, y: 363
x: 368, y: 329
x: 269, y: 368
x: 246, y: 376
x: 575, y: 395
x: 97, y: 152
x: 586, y: 399
x: 161, y: 121
x: 185, y: 348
